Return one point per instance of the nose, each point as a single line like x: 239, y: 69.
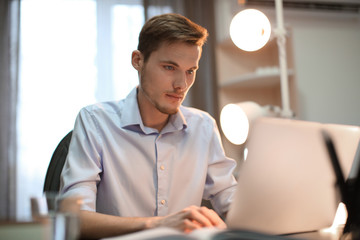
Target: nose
x: 180, y: 82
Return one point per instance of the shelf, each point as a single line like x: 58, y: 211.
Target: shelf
x: 264, y: 77
x: 227, y: 43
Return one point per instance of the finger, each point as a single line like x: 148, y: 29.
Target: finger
x: 213, y: 217
x: 191, y: 225
x: 195, y: 214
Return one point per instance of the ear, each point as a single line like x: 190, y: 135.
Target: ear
x: 137, y: 60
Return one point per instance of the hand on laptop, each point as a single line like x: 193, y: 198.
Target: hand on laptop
x: 189, y: 219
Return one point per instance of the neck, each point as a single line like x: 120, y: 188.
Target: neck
x: 151, y: 116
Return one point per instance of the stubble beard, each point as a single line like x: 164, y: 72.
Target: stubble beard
x: 157, y: 105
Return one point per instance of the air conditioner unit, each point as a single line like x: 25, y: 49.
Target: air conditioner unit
x: 351, y: 6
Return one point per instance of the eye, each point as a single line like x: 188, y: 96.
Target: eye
x: 190, y: 72
x: 168, y: 67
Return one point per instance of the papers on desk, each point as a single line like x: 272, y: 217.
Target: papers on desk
x: 200, y: 234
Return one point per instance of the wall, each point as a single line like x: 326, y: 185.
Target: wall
x: 326, y: 49
x: 325, y: 55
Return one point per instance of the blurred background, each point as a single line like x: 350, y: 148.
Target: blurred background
x: 58, y: 56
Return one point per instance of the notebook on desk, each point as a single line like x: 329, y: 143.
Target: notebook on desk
x: 287, y: 184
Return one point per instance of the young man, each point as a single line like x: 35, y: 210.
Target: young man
x: 147, y: 161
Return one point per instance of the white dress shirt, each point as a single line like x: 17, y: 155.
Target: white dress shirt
x: 121, y: 167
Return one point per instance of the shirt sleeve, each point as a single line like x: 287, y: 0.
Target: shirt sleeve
x: 82, y: 169
x: 220, y: 182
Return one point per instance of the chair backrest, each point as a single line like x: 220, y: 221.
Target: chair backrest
x: 52, y: 179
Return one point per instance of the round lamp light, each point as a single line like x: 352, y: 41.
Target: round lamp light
x: 235, y: 120
x: 250, y: 30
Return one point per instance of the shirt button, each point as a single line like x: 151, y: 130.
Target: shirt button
x: 163, y: 202
x: 162, y: 167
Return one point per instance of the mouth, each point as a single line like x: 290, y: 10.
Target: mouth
x: 175, y: 97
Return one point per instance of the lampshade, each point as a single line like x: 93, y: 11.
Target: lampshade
x: 235, y: 120
x: 250, y: 30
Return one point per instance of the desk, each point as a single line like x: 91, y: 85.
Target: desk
x: 25, y: 230
x: 41, y: 231
x: 210, y: 234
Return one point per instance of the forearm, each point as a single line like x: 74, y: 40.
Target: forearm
x: 96, y: 225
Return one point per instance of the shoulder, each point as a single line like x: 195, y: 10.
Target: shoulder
x: 111, y: 107
x: 196, y: 115
x: 102, y: 113
x: 114, y: 107
x: 200, y: 124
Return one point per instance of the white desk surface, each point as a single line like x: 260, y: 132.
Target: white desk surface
x: 207, y: 234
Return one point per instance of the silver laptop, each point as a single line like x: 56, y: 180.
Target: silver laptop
x: 287, y: 184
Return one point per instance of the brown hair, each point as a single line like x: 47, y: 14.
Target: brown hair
x: 169, y: 28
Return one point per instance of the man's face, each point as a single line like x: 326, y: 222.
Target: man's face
x: 167, y: 76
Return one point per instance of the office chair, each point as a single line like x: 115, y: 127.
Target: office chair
x: 52, y: 179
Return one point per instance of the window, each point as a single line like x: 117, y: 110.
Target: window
x: 72, y: 53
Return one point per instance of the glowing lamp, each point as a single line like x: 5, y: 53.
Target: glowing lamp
x: 235, y: 120
x: 250, y: 30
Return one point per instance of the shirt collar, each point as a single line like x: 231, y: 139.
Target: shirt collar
x: 131, y: 118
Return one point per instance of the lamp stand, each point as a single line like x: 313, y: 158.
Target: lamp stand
x: 280, y: 33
